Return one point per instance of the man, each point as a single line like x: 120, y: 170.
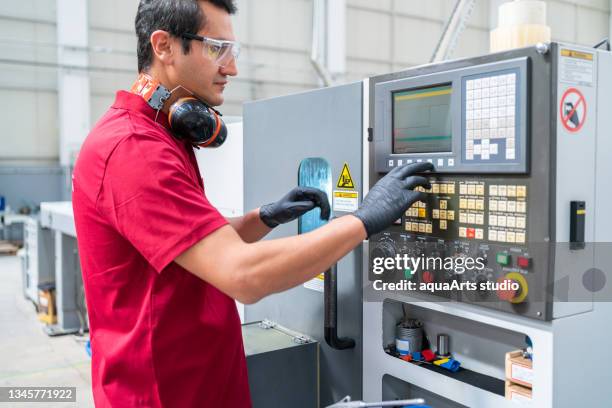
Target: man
x: 161, y: 266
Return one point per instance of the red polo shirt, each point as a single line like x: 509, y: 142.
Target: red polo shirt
x: 160, y: 336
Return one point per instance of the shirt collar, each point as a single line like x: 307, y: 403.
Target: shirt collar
x: 135, y: 103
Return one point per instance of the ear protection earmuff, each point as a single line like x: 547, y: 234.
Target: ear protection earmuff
x: 191, y: 120
x: 197, y: 123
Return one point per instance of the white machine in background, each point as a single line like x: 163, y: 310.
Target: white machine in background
x: 223, y: 172
x: 39, y: 260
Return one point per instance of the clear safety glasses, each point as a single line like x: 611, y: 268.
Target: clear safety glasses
x: 220, y: 51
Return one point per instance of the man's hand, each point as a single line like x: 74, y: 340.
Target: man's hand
x: 392, y: 196
x: 297, y: 202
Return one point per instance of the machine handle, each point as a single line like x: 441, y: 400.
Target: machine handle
x: 330, y: 294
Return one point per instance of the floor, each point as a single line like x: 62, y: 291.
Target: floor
x: 28, y: 357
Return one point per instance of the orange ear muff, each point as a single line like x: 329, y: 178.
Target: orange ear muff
x: 216, y: 132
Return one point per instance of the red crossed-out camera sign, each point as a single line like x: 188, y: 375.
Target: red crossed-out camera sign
x: 572, y: 110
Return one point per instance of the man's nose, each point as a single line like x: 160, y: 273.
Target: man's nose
x: 230, y: 68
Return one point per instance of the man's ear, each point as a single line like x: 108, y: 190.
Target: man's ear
x: 163, y: 46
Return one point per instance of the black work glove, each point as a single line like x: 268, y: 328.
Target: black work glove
x: 392, y: 196
x: 297, y: 202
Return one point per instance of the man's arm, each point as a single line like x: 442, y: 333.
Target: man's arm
x: 248, y: 272
x: 250, y: 227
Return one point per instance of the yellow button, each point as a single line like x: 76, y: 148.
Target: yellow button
x: 510, y: 221
x: 450, y: 215
x: 442, y: 224
x: 442, y: 214
x: 492, y: 235
x: 521, y: 191
x: 443, y: 204
x: 422, y: 213
x: 479, y: 219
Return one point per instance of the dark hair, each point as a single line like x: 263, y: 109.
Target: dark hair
x: 177, y: 17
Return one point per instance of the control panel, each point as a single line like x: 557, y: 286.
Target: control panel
x: 466, y: 217
x: 469, y: 120
x: 472, y: 123
x: 471, y: 209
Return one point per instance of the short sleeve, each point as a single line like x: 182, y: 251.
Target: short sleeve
x: 149, y: 196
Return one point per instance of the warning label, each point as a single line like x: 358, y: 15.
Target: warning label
x: 572, y: 110
x: 346, y: 201
x: 345, y: 180
x: 576, y: 67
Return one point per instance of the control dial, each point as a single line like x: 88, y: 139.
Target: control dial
x: 384, y: 249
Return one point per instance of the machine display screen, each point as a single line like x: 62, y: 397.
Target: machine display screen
x: 422, y: 120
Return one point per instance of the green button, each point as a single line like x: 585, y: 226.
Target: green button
x: 502, y: 258
x: 408, y: 273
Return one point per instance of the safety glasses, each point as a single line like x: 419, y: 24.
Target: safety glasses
x: 220, y: 51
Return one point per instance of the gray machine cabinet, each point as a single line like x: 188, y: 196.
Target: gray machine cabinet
x: 278, y: 134
x: 283, y: 366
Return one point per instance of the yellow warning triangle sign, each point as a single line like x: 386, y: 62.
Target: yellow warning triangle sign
x: 345, y: 180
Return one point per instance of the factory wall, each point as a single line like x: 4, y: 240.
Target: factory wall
x: 382, y: 36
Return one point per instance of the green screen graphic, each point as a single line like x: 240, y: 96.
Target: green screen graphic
x: 422, y: 120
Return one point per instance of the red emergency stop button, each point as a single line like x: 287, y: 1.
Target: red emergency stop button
x: 507, y: 293
x: 471, y: 233
x: 524, y: 262
x: 428, y: 277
